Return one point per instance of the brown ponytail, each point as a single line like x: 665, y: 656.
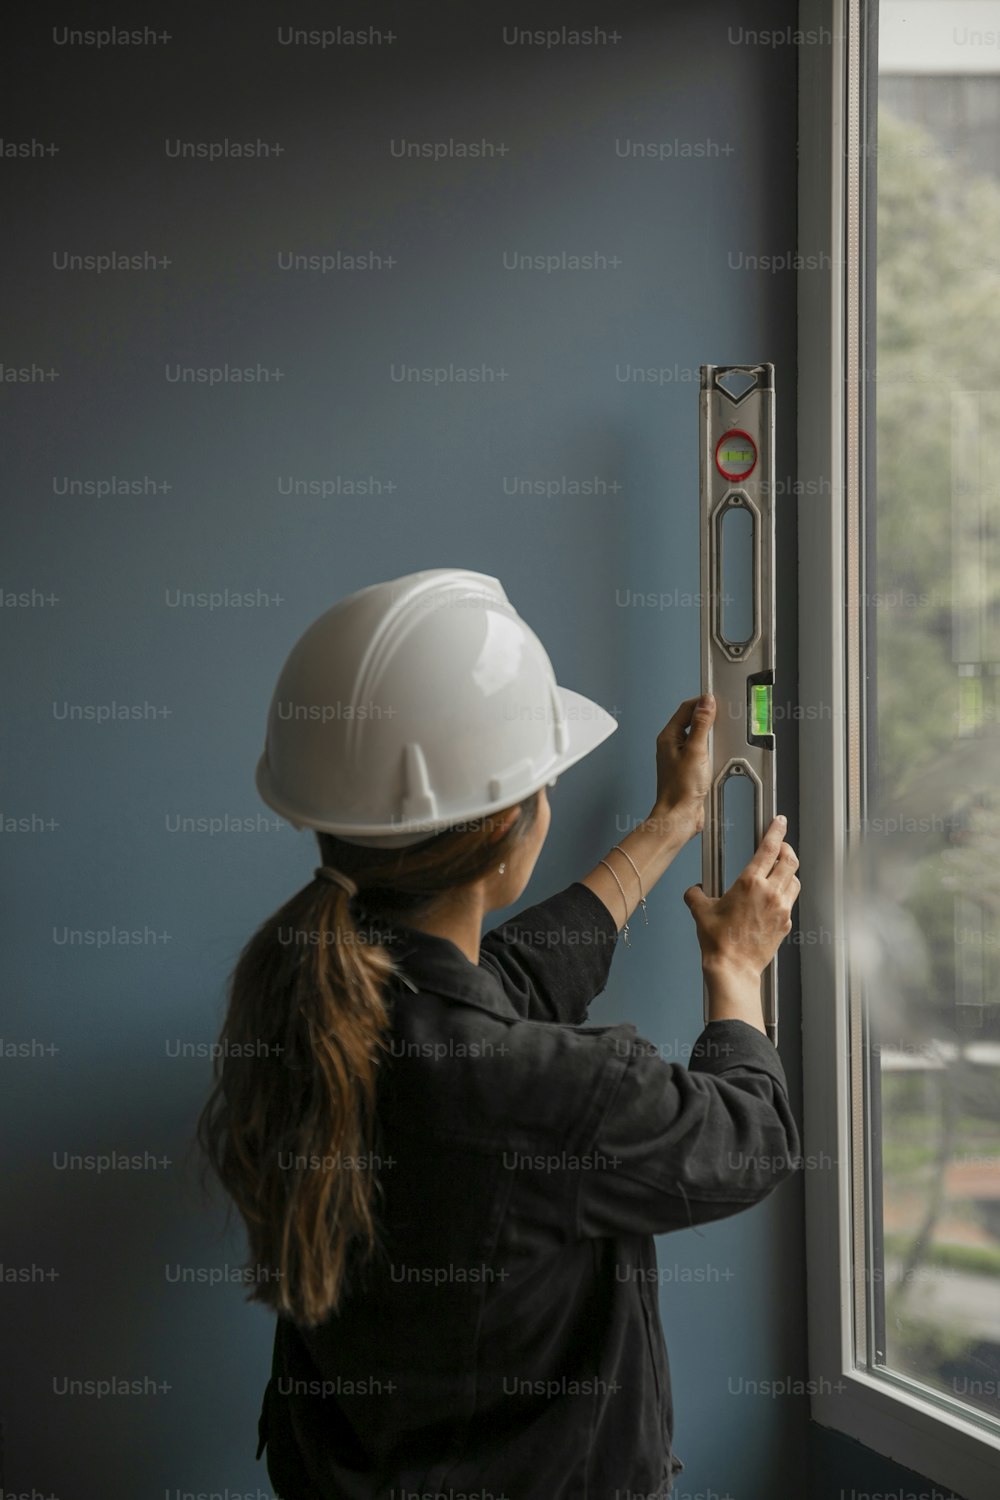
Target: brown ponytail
x: 297, y: 1067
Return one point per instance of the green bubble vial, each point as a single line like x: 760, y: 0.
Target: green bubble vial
x: 760, y: 708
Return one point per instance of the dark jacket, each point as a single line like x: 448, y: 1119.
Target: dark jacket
x: 509, y: 1343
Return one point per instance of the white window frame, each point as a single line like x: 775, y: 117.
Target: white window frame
x: 889, y: 1415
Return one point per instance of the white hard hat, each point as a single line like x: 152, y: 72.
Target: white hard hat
x: 414, y: 705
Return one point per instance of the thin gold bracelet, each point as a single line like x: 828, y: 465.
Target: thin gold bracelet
x: 624, y: 898
x: 642, y: 899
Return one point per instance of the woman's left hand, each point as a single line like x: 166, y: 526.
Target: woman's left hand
x: 683, y: 772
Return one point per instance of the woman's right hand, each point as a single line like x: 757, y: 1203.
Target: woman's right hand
x: 741, y: 931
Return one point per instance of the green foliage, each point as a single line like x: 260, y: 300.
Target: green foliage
x: 938, y: 332
x: 980, y: 1260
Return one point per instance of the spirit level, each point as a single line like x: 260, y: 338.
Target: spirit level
x: 737, y: 611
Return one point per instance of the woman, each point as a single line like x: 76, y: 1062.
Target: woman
x: 450, y: 1182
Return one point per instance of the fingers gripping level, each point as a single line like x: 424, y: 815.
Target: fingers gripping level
x: 736, y: 469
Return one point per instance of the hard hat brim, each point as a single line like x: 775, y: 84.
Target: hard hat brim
x: 587, y: 723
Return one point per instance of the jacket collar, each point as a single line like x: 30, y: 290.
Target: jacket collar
x: 436, y: 964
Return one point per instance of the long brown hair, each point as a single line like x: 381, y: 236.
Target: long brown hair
x: 298, y: 1059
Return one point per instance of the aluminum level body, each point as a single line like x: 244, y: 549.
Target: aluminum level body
x: 731, y: 669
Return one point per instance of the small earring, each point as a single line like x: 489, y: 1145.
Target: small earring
x: 503, y: 867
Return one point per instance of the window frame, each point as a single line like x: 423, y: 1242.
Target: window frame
x: 835, y: 463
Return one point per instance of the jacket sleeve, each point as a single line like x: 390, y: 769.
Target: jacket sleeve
x: 677, y: 1146
x: 553, y: 958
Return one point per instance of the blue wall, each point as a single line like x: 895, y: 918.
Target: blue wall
x: 110, y: 1246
